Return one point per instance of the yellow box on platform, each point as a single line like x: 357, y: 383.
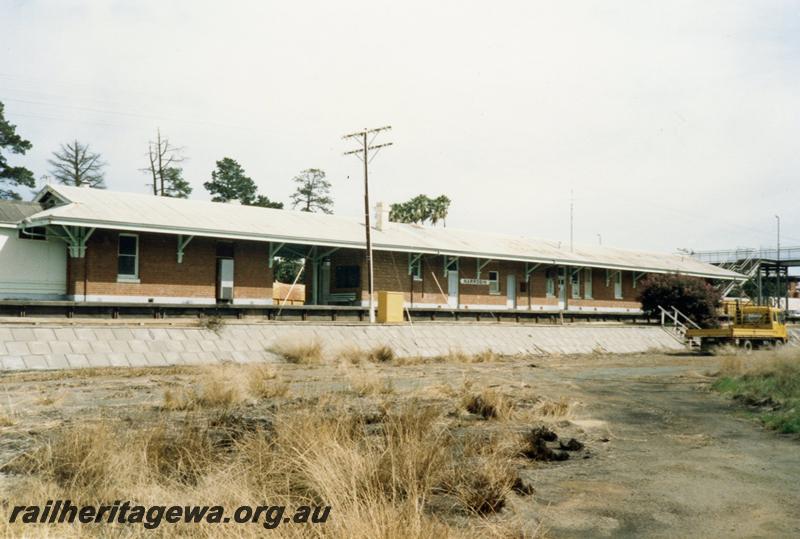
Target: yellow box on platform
x: 390, y: 307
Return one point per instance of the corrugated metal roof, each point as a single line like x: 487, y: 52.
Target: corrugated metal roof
x: 128, y: 211
x: 14, y: 211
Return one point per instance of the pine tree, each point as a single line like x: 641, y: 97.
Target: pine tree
x: 167, y: 178
x: 229, y: 182
x: 75, y: 165
x: 174, y: 184
x: 313, y: 191
x: 264, y: 202
x: 12, y: 176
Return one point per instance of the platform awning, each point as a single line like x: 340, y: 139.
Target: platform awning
x: 104, y: 209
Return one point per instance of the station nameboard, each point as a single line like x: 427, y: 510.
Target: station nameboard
x: 485, y: 282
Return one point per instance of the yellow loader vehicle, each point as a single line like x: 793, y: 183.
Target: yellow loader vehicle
x: 750, y: 327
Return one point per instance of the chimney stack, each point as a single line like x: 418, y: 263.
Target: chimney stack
x: 382, y: 216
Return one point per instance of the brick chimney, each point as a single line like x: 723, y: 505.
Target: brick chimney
x: 382, y: 216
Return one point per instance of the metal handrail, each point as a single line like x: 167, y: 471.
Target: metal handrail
x: 736, y: 255
x: 678, y: 327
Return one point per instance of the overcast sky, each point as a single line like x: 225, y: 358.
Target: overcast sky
x: 676, y: 124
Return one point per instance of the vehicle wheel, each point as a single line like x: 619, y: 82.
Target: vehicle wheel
x: 778, y: 344
x: 747, y: 346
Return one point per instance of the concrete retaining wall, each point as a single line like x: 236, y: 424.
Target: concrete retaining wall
x: 58, y: 346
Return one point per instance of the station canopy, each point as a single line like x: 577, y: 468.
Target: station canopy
x: 105, y: 209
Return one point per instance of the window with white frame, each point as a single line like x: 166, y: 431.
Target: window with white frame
x: 587, y: 283
x: 416, y: 269
x: 128, y: 257
x: 494, y: 282
x: 618, y: 285
x: 551, y: 284
x: 575, y: 281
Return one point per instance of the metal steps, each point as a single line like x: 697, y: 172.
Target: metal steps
x: 675, y: 323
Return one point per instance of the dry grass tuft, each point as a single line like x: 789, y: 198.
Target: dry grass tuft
x: 76, y: 458
x: 263, y: 382
x: 561, y: 408
x: 457, y: 356
x: 731, y: 365
x: 213, y: 323
x: 370, y: 383
x: 415, y: 360
x: 484, y: 475
x: 104, y: 459
x: 47, y: 400
x: 351, y: 355
x: 453, y: 356
x: 213, y: 394
x: 486, y: 356
x: 356, y: 356
x: 381, y: 354
x: 6, y: 420
x: 436, y: 391
x: 225, y: 386
x: 728, y: 350
x: 299, y: 352
x: 487, y: 403
x: 409, y: 471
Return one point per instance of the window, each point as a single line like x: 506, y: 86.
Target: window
x: 416, y: 269
x: 575, y: 281
x: 523, y: 287
x: 225, y: 250
x: 618, y: 285
x: 551, y: 284
x: 494, y: 282
x: 347, y: 277
x: 33, y: 233
x: 128, y: 257
x: 587, y: 283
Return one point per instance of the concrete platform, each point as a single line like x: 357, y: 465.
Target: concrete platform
x: 49, y: 345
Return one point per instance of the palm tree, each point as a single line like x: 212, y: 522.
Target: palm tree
x: 439, y: 208
x: 419, y: 209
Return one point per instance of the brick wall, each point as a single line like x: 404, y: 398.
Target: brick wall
x: 160, y: 275
x: 391, y: 273
x: 252, y: 276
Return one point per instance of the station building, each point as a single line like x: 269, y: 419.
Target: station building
x: 92, y: 245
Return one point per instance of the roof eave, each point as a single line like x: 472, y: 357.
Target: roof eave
x: 137, y: 227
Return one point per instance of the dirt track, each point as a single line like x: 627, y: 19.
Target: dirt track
x: 667, y: 457
x: 680, y: 461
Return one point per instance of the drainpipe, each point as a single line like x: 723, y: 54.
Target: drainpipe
x: 85, y: 275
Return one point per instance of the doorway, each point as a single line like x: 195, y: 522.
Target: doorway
x: 452, y: 289
x: 562, y: 288
x: 225, y: 272
x: 511, y: 292
x: 225, y: 280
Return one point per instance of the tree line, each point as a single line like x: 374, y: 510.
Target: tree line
x: 74, y: 163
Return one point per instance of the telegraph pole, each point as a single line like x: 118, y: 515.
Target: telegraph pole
x: 363, y: 153
x: 778, y: 266
x: 571, y: 218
